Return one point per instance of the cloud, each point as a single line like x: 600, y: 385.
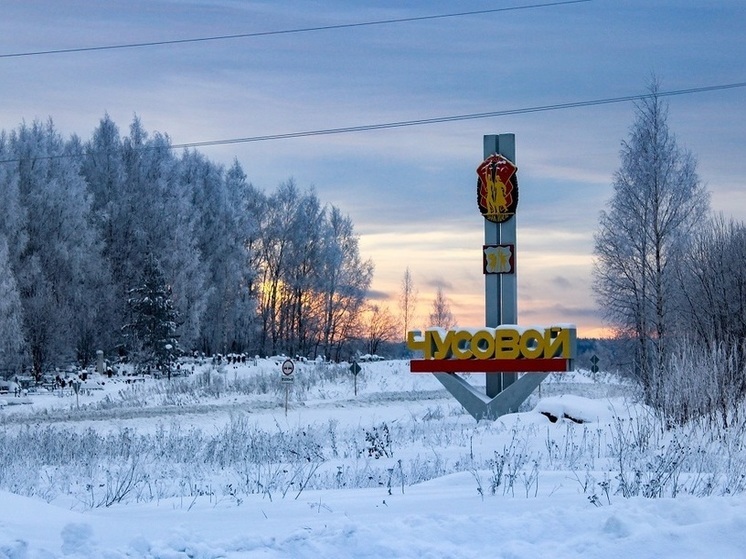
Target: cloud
x: 573, y: 313
x: 440, y: 283
x: 376, y: 295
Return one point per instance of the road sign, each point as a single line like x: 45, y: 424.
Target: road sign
x: 594, y: 367
x: 288, y: 367
x: 355, y: 369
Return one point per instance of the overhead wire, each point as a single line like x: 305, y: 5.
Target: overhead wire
x: 375, y: 126
x: 454, y: 118
x: 289, y: 31
x: 433, y: 120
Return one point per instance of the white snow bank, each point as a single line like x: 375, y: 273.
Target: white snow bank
x: 441, y: 519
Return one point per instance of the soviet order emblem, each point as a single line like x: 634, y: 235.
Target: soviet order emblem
x: 497, y: 188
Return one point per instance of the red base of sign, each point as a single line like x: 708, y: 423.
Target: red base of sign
x: 489, y: 365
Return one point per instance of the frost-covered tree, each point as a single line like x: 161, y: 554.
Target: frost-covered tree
x: 441, y: 314
x: 12, y: 234
x: 103, y: 170
x: 245, y: 308
x: 247, y: 272
x: 301, y: 312
x: 713, y: 284
x: 278, y: 216
x: 61, y: 253
x: 143, y: 201
x: 706, y: 370
x: 13, y: 217
x: 656, y: 201
x: 222, y: 230
x: 12, y: 343
x: 163, y: 220
x: 345, y: 280
x: 311, y: 279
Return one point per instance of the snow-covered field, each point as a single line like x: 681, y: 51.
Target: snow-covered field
x: 213, y: 465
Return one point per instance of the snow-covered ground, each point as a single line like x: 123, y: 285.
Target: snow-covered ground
x: 398, y: 470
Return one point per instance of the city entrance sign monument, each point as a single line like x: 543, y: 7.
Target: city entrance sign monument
x: 501, y: 349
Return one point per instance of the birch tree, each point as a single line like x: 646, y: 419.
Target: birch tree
x: 277, y: 224
x: 301, y: 311
x: 656, y: 202
x: 346, y: 278
x: 407, y: 301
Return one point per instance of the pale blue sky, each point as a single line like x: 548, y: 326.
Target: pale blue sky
x: 409, y: 191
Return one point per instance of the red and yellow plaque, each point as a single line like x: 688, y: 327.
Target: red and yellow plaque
x: 497, y: 188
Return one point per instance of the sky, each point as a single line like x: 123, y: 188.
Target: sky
x: 410, y: 191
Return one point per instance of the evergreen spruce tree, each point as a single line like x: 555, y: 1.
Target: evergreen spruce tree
x: 152, y: 330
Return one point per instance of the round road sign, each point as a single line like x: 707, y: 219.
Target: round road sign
x: 288, y: 367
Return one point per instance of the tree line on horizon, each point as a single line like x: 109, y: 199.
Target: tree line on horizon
x: 244, y: 270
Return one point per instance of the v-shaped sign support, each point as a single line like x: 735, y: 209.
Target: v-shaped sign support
x: 481, y: 406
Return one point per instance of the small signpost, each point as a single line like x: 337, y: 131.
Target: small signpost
x: 355, y: 369
x: 287, y: 378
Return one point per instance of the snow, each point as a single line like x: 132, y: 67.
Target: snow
x: 446, y: 516
x: 579, y: 409
x: 439, y: 519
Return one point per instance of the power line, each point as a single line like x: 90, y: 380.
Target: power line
x: 455, y: 118
x: 433, y: 120
x: 289, y: 31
